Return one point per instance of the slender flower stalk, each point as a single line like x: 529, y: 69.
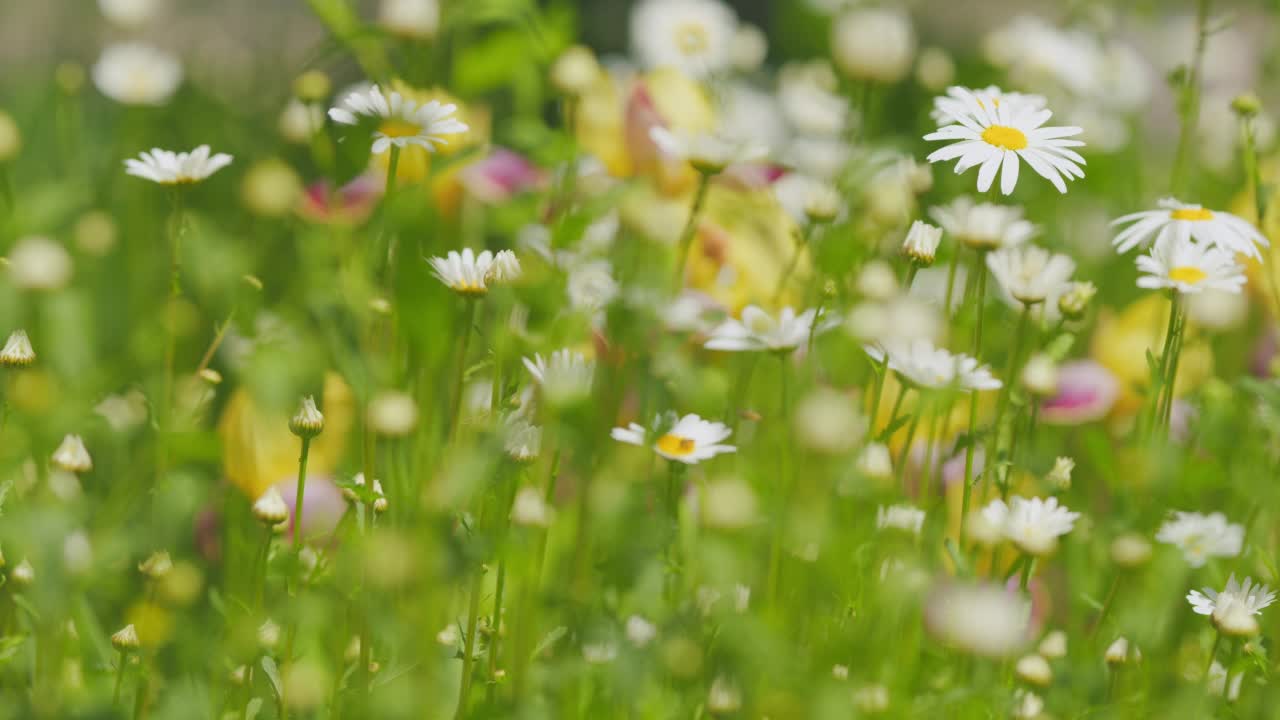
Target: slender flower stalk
x: 306, y: 424
x: 980, y: 271
x: 690, y: 229
x: 464, y: 343
x: 1189, y: 99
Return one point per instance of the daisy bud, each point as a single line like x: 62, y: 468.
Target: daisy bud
x: 575, y: 71
x: 380, y: 502
x: 1060, y: 476
x: 875, y: 462
x: 1118, y: 652
x: 840, y: 672
x: 72, y: 456
x: 157, y: 565
x: 1130, y: 550
x: 253, y: 281
x: 877, y: 281
x: 1034, y: 670
x: 17, y: 352
x: 1246, y: 105
x: 1234, y: 619
x: 307, y: 422
x: 393, y: 414
x: 1054, y: 645
x: 873, y: 44
x: 312, y: 86
x: 871, y: 699
x: 530, y: 510
x: 270, y: 509
x: 922, y: 242
x: 640, y: 631
x: 10, y: 137
x: 23, y: 574
x: 505, y: 267
x: 1075, y: 301
x: 126, y: 638
x: 723, y: 698
x: 268, y: 635
x: 1040, y: 375
x: 822, y: 203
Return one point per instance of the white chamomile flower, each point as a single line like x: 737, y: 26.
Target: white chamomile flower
x: 169, y: 168
x: 690, y: 441
x: 522, y: 440
x: 693, y: 36
x: 72, y: 456
x: 995, y: 134
x: 900, y: 517
x: 1030, y: 273
x: 946, y: 108
x: 921, y: 243
x: 1032, y: 524
x: 920, y: 363
x: 1175, y: 219
x: 1201, y: 537
x: 468, y: 274
x: 401, y: 122
x: 1188, y: 266
x: 758, y: 330
x: 137, y: 74
x: 707, y: 152
x: 1235, y: 605
x: 983, y: 226
x: 565, y: 375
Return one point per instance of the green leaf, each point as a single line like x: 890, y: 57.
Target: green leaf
x: 273, y: 675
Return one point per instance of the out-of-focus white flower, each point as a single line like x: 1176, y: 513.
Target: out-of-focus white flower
x: 984, y: 226
x: 522, y: 440
x: 922, y: 364
x: 136, y: 74
x: 693, y: 36
x: 935, y: 70
x: 1176, y: 220
x: 1032, y: 524
x: 1059, y: 476
x: 401, y: 122
x: 749, y: 48
x: 1218, y: 682
x: 129, y: 13
x: 875, y: 462
x: 707, y: 152
x: 1118, y: 652
x: 1217, y: 310
x: 877, y: 280
x: 1054, y: 645
x: 898, y: 320
x: 729, y: 504
x: 38, y: 263
x: 758, y: 330
x: 599, y: 653
x: 530, y: 509
x: 808, y: 97
x: 1030, y: 273
x: 900, y: 517
x: 72, y: 456
x: 724, y: 697
x: 1201, y: 537
x: 871, y: 699
x: 1034, y: 669
x: 300, y: 120
x: 166, y: 167
x: 413, y: 18
x: 468, y: 273
x: 393, y: 413
x: 1040, y: 375
x: 1188, y: 266
x: 921, y: 243
x: 984, y: 619
x: 17, y: 351
x: 690, y: 441
x: 575, y: 70
x: 640, y: 631
x: 874, y: 44
x: 1130, y: 550
x: 1027, y: 705
x: 826, y: 421
x: 565, y: 376
x: 125, y: 411
x: 590, y: 285
x: 807, y: 199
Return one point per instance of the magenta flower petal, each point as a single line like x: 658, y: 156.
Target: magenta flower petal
x: 1086, y: 392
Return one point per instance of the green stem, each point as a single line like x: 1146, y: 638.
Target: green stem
x: 1213, y: 651
x: 980, y: 270
x: 1189, y: 100
x: 299, y: 498
x: 801, y: 242
x: 1027, y: 568
x: 171, y: 330
x: 464, y: 342
x: 115, y: 695
x: 951, y: 283
x: 393, y: 164
x: 690, y: 229
x: 1006, y: 390
x: 912, y: 270
x: 473, y: 615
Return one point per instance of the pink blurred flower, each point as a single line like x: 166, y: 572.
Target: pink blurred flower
x: 350, y: 204
x: 500, y: 176
x: 1086, y: 392
x: 323, y: 506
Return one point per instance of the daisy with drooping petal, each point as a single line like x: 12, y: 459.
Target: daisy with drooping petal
x: 1235, y: 597
x: 468, y: 274
x: 1030, y: 273
x: 136, y: 74
x: 402, y: 122
x: 920, y: 363
x: 983, y: 226
x: 1180, y: 263
x: 565, y: 374
x: 169, y: 168
x: 690, y: 441
x: 1032, y: 524
x: 758, y: 330
x: 707, y: 152
x: 1175, y: 219
x: 993, y: 135
x: 692, y: 36
x: 1200, y: 537
x: 947, y: 108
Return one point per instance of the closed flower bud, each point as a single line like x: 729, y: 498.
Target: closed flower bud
x: 575, y: 71
x: 875, y: 462
x: 1040, y: 375
x: 307, y: 422
x: 157, y: 566
x: 530, y: 510
x: 922, y: 243
x: 380, y: 502
x: 72, y: 456
x: 211, y: 376
x: 877, y: 281
x: 1118, y: 652
x: 268, y: 635
x: 822, y: 203
x: 1060, y: 476
x: 312, y: 86
x: 1034, y: 669
x: 724, y: 697
x: 125, y: 639
x: 1075, y: 301
x: 23, y: 574
x: 270, y: 509
x: 1130, y: 550
x: 1246, y: 105
x: 17, y: 352
x: 1054, y: 645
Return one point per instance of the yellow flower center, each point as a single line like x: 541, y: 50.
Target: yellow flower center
x: 395, y: 128
x: 675, y: 445
x: 692, y: 39
x: 1003, y: 136
x: 1189, y: 274
x: 1191, y: 214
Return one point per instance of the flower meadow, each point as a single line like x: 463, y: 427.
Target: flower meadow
x: 655, y: 359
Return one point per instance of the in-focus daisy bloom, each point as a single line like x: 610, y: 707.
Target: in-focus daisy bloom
x: 900, y: 517
x: 1201, y: 537
x: 690, y: 441
x: 468, y: 274
x: 693, y: 36
x: 1030, y: 273
x: 72, y: 455
x: 1187, y: 266
x: 1175, y: 219
x: 307, y: 422
x: 17, y: 351
x: 919, y: 363
x: 169, y: 168
x: 136, y: 74
x: 983, y: 226
x: 993, y: 135
x: 709, y: 153
x: 401, y: 121
x: 758, y: 330
x: 1032, y: 524
x: 1233, y: 609
x: 563, y: 376
x: 921, y: 244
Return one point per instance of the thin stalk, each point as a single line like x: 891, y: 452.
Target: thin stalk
x: 912, y: 270
x: 1006, y: 390
x: 393, y: 163
x: 300, y: 497
x: 1213, y: 651
x: 980, y: 269
x: 1172, y: 382
x: 120, y: 666
x: 1189, y: 100
x: 951, y: 283
x: 784, y: 482
x: 1027, y: 568
x: 171, y: 329
x: 897, y: 405
x: 801, y: 243
x: 690, y: 229
x: 464, y: 343
x: 469, y: 644
x: 1254, y: 178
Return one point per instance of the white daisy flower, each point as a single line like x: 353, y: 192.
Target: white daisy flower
x: 920, y: 363
x: 690, y: 441
x: 948, y: 108
x: 921, y: 243
x: 693, y: 36
x: 169, y: 168
x: 900, y: 517
x: 17, y: 351
x: 1235, y: 599
x: 1030, y: 273
x: 565, y: 375
x: 983, y: 226
x: 467, y: 273
x: 807, y: 199
x: 137, y: 74
x: 1175, y: 219
x: 402, y: 122
x: 994, y: 135
x: 1188, y: 266
x: 72, y: 456
x: 1201, y: 537
x: 707, y: 152
x: 1032, y: 524
x: 522, y: 440
x: 758, y: 330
